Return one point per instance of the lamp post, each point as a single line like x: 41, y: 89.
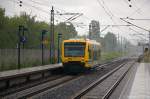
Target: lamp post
x: 58, y: 51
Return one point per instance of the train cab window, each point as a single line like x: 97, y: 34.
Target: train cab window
x: 74, y: 49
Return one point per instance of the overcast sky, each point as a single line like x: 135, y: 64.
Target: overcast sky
x: 107, y: 12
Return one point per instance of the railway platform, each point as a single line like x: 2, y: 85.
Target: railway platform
x: 14, y: 77
x: 138, y: 84
x: 12, y: 73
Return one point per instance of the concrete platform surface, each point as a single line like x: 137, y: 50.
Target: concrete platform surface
x: 140, y: 86
x: 19, y: 72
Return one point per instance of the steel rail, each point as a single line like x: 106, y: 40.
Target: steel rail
x: 110, y: 91
x: 94, y: 84
x: 38, y: 88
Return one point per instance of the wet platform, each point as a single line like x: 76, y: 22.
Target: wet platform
x: 138, y: 85
x: 15, y: 77
x: 24, y: 71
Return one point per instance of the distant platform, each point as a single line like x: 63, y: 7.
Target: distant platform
x: 138, y: 86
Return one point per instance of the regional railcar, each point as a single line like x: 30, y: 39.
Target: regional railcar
x: 80, y: 54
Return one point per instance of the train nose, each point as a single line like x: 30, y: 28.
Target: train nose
x: 69, y: 59
x: 81, y: 59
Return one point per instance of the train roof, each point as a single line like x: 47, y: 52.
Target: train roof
x: 83, y: 40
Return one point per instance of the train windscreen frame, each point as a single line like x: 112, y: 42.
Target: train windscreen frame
x: 74, y: 49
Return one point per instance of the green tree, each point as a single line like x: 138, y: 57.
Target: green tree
x: 9, y: 30
x: 67, y: 31
x: 2, y: 17
x: 110, y: 42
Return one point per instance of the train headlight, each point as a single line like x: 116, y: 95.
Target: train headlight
x: 82, y: 59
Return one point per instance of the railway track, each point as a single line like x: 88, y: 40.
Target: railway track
x: 38, y: 88
x: 69, y: 89
x: 86, y: 93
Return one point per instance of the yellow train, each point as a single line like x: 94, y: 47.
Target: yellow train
x: 80, y: 54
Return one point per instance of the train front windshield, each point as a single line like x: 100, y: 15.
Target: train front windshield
x: 74, y: 49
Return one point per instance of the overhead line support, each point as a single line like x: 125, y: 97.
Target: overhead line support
x: 134, y: 25
x: 52, y: 44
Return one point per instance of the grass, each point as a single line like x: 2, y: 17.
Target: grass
x: 110, y: 55
x: 32, y: 63
x: 12, y: 66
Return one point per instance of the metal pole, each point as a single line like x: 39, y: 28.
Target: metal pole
x: 113, y: 43
x: 23, y: 36
x: 60, y: 47
x: 58, y: 53
x: 52, y: 45
x: 58, y: 50
x: 90, y: 31
x: 19, y: 45
x: 149, y: 42
x: 118, y: 41
x: 23, y: 41
x: 124, y: 40
x: 42, y: 48
x: 121, y: 46
x: 43, y: 33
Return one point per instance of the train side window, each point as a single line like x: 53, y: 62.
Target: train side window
x: 95, y: 52
x: 89, y: 50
